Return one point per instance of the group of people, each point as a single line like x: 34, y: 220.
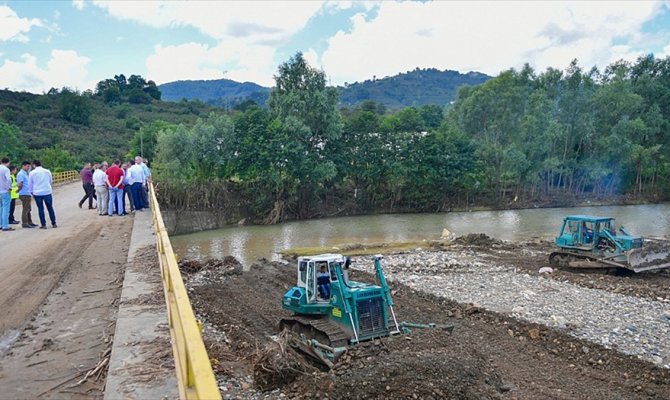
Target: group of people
x: 32, y: 182
x: 110, y: 185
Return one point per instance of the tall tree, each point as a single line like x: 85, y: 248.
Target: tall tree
x: 308, y: 113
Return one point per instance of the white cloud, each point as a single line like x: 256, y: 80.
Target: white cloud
x: 65, y: 69
x: 247, y: 35
x: 665, y: 53
x: 486, y: 36
x: 312, y: 58
x: 260, y: 21
x: 232, y: 60
x: 78, y: 4
x: 13, y: 27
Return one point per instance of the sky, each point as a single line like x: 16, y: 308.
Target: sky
x: 75, y: 44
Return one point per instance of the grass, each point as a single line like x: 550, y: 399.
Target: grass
x: 365, y: 249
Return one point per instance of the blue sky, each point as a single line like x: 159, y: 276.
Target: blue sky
x: 46, y: 44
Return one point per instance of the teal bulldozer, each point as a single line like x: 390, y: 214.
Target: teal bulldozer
x: 332, y: 312
x: 593, y: 242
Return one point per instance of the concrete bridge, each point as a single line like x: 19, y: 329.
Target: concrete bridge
x: 96, y: 308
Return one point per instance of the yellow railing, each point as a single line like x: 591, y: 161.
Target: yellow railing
x: 64, y: 177
x: 194, y: 371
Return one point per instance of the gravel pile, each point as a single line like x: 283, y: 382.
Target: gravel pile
x: 631, y: 325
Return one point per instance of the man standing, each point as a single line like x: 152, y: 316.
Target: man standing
x: 136, y: 179
x: 40, y: 181
x: 87, y: 183
x: 5, y: 196
x: 115, y: 183
x: 147, y: 179
x: 24, y: 195
x: 14, y: 195
x: 101, y: 192
x: 126, y: 185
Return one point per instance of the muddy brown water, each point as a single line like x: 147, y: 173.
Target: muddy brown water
x: 249, y: 243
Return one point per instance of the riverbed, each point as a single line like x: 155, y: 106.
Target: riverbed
x: 249, y: 243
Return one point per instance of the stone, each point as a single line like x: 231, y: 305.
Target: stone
x: 546, y: 270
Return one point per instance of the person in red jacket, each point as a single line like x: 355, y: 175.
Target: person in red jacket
x: 115, y: 184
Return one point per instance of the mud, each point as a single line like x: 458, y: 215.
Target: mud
x: 487, y: 355
x: 71, y: 331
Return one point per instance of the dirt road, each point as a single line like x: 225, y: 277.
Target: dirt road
x: 58, y: 297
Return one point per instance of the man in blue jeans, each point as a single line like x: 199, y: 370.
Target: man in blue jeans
x: 323, y: 281
x: 40, y: 181
x: 115, y: 185
x: 136, y: 179
x: 5, y: 194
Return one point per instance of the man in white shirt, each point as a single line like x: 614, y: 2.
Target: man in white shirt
x: 136, y: 180
x: 5, y: 194
x: 40, y: 182
x: 147, y: 176
x: 100, y: 184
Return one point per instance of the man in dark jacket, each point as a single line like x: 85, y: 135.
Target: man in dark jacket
x: 87, y: 183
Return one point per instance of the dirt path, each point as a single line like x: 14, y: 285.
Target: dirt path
x: 488, y: 355
x: 58, y: 298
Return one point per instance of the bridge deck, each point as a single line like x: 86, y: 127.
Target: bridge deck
x: 69, y: 330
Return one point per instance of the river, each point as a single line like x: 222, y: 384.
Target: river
x: 248, y: 243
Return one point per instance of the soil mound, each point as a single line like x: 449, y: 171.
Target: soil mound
x: 477, y: 239
x: 228, y: 266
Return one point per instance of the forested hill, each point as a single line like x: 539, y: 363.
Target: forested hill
x: 412, y: 88
x: 64, y: 128
x: 221, y: 92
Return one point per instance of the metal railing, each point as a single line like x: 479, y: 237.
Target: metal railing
x: 194, y: 370
x: 65, y: 177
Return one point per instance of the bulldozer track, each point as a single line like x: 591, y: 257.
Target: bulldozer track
x: 319, y: 328
x: 568, y: 259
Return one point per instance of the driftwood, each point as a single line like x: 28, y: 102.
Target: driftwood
x: 279, y: 364
x: 97, y: 370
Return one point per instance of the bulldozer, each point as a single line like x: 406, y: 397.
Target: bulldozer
x: 587, y: 241
x: 327, y: 320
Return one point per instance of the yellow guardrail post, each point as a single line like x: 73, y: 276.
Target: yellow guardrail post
x: 65, y: 177
x: 194, y: 371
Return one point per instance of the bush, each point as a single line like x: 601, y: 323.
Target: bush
x: 75, y: 108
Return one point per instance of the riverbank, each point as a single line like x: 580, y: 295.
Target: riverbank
x: 180, y: 221
x: 518, y: 333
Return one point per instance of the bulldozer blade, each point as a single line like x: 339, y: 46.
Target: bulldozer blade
x: 648, y: 258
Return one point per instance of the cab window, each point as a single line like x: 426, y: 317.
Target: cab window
x: 333, y: 275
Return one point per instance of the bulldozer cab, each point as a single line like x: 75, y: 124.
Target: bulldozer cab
x: 309, y: 267
x: 583, y: 231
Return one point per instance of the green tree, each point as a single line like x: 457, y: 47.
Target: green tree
x: 432, y: 116
x: 10, y: 142
x: 144, y: 141
x: 308, y: 113
x: 75, y: 108
x: 58, y: 159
